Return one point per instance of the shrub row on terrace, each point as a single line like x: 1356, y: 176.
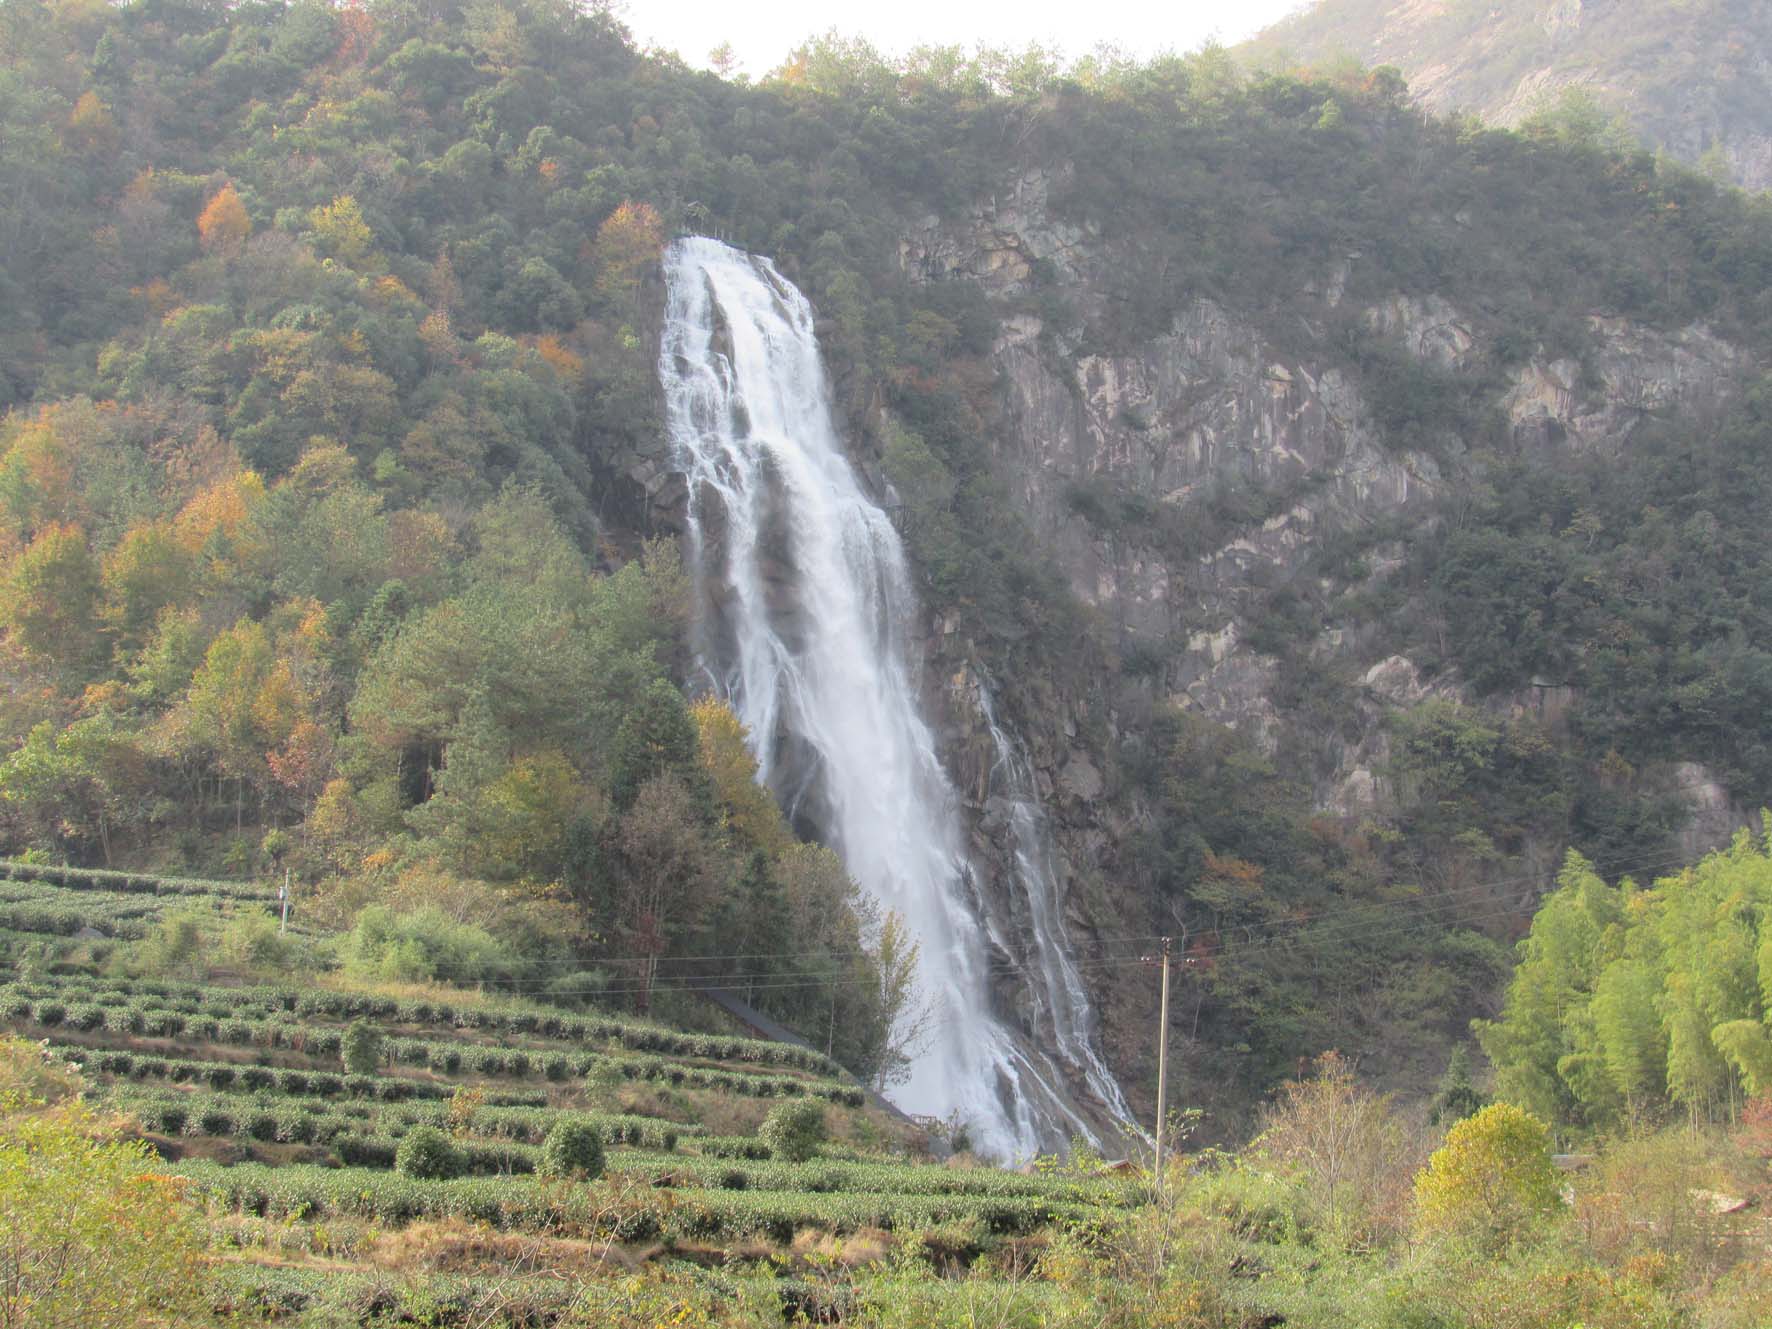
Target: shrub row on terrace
x: 443, y: 1058
x: 224, y: 1075
x: 630, y: 1213
x: 225, y: 1114
x: 131, y: 883
x: 311, y: 1004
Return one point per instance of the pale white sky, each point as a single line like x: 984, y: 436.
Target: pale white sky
x: 763, y: 32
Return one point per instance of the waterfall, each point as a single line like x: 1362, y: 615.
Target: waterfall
x: 1062, y: 1011
x: 805, y: 614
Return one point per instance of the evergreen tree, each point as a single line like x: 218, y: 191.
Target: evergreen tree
x: 1457, y: 1098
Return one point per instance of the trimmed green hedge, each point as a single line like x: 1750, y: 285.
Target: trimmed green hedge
x: 225, y: 1075
x: 322, y: 1120
x: 540, y: 1023
x: 628, y: 1214
x: 131, y: 883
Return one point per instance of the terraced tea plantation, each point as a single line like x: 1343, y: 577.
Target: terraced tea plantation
x: 40, y: 901
x: 370, y: 1154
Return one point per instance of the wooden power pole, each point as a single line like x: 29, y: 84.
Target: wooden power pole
x: 1163, y: 1066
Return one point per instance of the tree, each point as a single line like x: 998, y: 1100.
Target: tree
x: 360, y: 1048
x: 1491, y: 1179
x: 1559, y: 962
x: 573, y: 1150
x: 223, y: 225
x: 902, y: 1016
x: 221, y: 712
x: 1457, y: 1097
x: 91, y: 126
x: 667, y: 875
x: 656, y: 737
x: 426, y: 1153
x: 340, y: 231
x: 49, y: 599
x: 143, y: 573
x: 761, y: 928
x: 76, y: 785
x: 1345, y: 1147
x: 794, y: 1130
x: 90, y: 1233
x: 628, y: 241
x: 750, y: 809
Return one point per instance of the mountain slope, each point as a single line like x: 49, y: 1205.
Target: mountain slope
x: 1242, y: 433
x: 1693, y: 77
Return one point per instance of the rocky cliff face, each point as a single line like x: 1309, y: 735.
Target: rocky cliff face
x: 1214, y: 406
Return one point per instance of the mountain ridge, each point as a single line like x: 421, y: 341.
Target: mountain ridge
x: 1693, y: 79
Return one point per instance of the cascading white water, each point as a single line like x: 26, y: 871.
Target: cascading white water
x: 1062, y: 1010
x: 805, y: 611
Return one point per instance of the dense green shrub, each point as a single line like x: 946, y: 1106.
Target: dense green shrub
x: 793, y: 1131
x: 427, y: 1154
x: 573, y: 1149
x: 361, y: 1049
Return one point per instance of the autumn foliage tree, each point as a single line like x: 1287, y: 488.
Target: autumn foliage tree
x: 749, y: 809
x: 1346, y: 1145
x: 49, y: 601
x: 340, y: 231
x: 223, y: 224
x: 91, y: 127
x: 629, y: 240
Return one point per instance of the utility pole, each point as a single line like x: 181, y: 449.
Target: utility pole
x: 1163, y: 1066
x: 283, y: 899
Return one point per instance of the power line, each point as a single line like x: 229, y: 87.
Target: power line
x: 1325, y: 928
x: 1259, y: 931
x: 1329, y: 920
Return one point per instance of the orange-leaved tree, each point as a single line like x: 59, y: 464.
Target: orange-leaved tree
x: 629, y: 239
x: 223, y: 224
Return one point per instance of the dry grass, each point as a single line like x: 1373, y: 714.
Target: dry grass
x: 867, y: 1246
x: 337, y: 980
x: 338, y: 1242
x: 454, y: 1246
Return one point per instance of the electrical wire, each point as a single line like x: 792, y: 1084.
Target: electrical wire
x: 1332, y: 930
x: 1329, y: 923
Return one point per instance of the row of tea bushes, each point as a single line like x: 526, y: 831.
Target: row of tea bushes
x: 625, y: 1212
x: 132, y: 883
x: 828, y: 1176
x: 325, y: 1004
x: 446, y: 1058
x: 251, y: 1293
x: 287, y: 1120
x: 264, y: 1079
x: 57, y: 920
x: 752, y: 1086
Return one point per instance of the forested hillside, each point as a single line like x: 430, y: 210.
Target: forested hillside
x: 337, y: 522
x: 1687, y: 78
